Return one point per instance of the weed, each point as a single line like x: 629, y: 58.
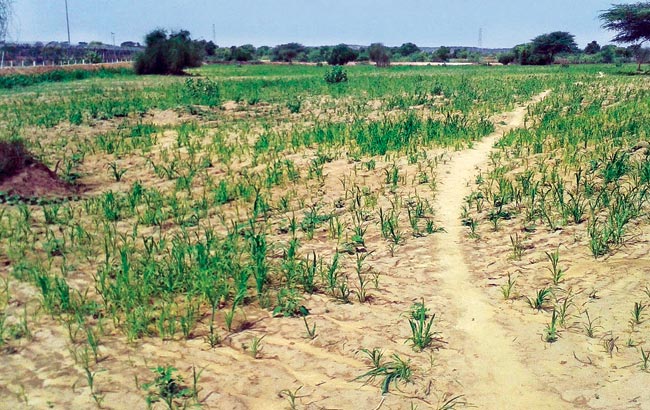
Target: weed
x: 166, y: 387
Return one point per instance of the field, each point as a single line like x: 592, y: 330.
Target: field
x: 254, y: 237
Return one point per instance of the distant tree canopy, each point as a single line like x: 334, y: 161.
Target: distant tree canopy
x: 407, y: 49
x: 379, y: 55
x: 341, y: 55
x: 632, y: 24
x: 631, y: 21
x: 543, y: 48
x: 208, y: 47
x: 287, y: 52
x: 592, y: 48
x: 442, y: 54
x: 242, y: 53
x: 168, y: 54
x: 554, y: 43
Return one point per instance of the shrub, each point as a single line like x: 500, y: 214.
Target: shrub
x: 379, y: 54
x: 341, y: 55
x: 506, y: 58
x: 336, y: 75
x: 168, y: 54
x: 13, y: 157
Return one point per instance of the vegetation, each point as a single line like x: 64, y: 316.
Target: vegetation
x: 632, y: 24
x: 379, y: 55
x: 263, y: 188
x: 168, y: 54
x: 341, y: 55
x: 287, y: 52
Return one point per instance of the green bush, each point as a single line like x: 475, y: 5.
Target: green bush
x: 168, y: 54
x: 336, y: 75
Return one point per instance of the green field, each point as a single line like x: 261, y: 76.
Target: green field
x: 231, y: 221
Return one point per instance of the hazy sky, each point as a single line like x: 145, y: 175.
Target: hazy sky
x: 505, y: 23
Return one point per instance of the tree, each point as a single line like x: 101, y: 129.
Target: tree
x: 549, y: 45
x: 631, y: 22
x: 287, y: 52
x: 407, y: 49
x: 442, y: 54
x: 168, y: 54
x: 243, y: 53
x: 592, y: 48
x: 506, y: 58
x: 341, y: 55
x: 378, y: 53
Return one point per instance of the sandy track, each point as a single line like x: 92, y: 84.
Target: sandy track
x: 488, y: 364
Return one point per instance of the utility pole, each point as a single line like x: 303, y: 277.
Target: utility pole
x: 67, y: 21
x: 480, y: 39
x: 214, y: 33
x: 113, y: 37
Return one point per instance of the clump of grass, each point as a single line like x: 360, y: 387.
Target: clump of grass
x: 421, y: 322
x: 392, y: 371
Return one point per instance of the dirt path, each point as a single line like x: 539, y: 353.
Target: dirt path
x: 489, y: 360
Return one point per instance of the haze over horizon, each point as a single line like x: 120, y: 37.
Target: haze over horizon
x: 504, y: 23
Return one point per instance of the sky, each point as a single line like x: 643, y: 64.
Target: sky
x: 504, y: 23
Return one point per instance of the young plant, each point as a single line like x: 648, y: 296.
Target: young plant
x: 637, y: 311
x: 517, y: 247
x: 506, y: 289
x: 540, y: 298
x: 557, y: 273
x: 645, y: 360
x: 591, y: 326
x: 166, y: 387
x: 421, y: 322
x: 551, y: 332
x: 392, y: 371
x: 256, y: 346
x: 292, y: 395
x: 311, y: 331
